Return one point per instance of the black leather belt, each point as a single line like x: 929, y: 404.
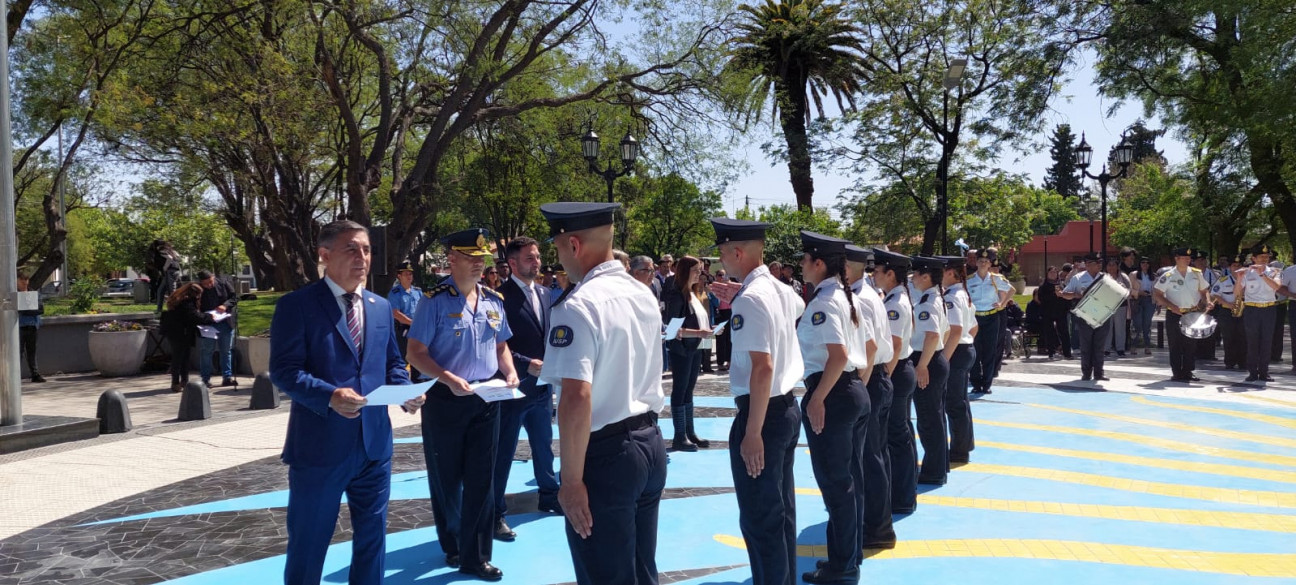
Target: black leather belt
x: 787, y: 399
x: 621, y: 427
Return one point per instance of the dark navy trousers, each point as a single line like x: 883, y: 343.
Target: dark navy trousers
x: 1259, y: 324
x: 900, y: 440
x: 929, y: 405
x: 875, y: 523
x: 314, y: 495
x: 767, y: 503
x: 459, y: 434
x: 625, y: 473
x: 837, y: 457
x: 957, y: 408
x: 534, y: 412
x: 986, y: 343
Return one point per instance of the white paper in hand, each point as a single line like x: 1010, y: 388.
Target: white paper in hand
x: 207, y: 331
x: 719, y: 328
x: 396, y: 394
x: 218, y: 316
x: 494, y: 391
x: 672, y: 328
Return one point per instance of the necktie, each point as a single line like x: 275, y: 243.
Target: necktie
x: 353, y: 321
x: 535, y: 301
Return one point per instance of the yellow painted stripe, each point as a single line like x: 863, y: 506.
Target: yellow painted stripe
x: 1281, y: 421
x: 1268, y: 399
x: 1191, y: 466
x: 1251, y: 564
x: 1211, y: 494
x: 1151, y: 441
x: 1211, y: 519
x: 1236, y: 435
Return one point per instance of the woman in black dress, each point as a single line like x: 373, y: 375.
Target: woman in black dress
x: 180, y: 325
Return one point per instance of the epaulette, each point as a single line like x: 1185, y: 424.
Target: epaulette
x: 562, y: 297
x: 1194, y: 269
x: 924, y: 298
x: 436, y: 290
x: 493, y: 292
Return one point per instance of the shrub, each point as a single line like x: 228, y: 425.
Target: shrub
x: 83, y: 294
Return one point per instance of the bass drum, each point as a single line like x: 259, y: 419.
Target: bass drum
x: 1100, y: 301
x: 1197, y: 325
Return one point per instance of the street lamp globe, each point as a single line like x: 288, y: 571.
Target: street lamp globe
x: 590, y: 146
x: 1124, y: 153
x: 1083, y: 153
x: 629, y: 150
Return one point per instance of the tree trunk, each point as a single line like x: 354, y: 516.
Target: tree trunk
x: 931, y: 234
x: 793, y: 109
x: 1267, y: 163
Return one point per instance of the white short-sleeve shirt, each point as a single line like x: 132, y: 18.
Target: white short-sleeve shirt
x: 870, y: 307
x: 1256, y: 290
x: 929, y: 317
x: 899, y: 312
x: 607, y: 332
x: 827, y: 321
x: 1183, y: 290
x: 960, y: 312
x: 764, y: 321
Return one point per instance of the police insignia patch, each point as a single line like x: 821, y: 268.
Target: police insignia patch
x: 893, y: 315
x: 818, y: 318
x: 560, y: 336
x: 1216, y: 288
x: 1164, y: 278
x: 737, y: 322
x: 949, y: 305
x: 923, y: 316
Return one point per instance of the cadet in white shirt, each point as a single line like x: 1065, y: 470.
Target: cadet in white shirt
x: 766, y: 365
x: 1224, y: 295
x: 1182, y: 290
x: 835, y: 343
x: 878, y: 531
x: 1093, y: 340
x: 990, y: 293
x: 891, y: 274
x: 605, y: 360
x: 930, y: 369
x: 960, y: 353
x: 1260, y: 285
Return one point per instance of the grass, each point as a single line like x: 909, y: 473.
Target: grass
x: 63, y: 306
x: 254, y: 315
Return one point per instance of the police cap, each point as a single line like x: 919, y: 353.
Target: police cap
x: 574, y: 216
x: 1092, y: 257
x: 890, y: 259
x: 470, y: 241
x: 990, y: 254
x: 406, y: 265
x: 953, y: 261
x: 926, y: 263
x: 821, y: 246
x: 1237, y: 259
x: 857, y: 254
x: 1261, y: 249
x: 1199, y: 254
x: 738, y: 230
x: 1189, y: 252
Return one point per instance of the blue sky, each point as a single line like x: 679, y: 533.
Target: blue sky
x: 1077, y: 104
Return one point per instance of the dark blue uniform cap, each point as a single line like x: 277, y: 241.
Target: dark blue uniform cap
x: 1262, y: 249
x: 821, y: 246
x: 1092, y: 257
x: 953, y: 261
x: 1189, y: 252
x: 857, y: 254
x: 472, y: 242
x: 738, y: 230
x: 927, y: 263
x: 890, y: 259
x: 406, y: 265
x: 989, y: 254
x: 573, y: 216
x: 1199, y: 254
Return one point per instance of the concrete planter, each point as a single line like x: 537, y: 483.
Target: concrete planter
x: 1020, y: 286
x: 118, y: 353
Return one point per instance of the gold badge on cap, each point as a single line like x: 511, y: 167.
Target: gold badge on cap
x: 481, y: 240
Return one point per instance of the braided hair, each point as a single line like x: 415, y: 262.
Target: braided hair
x: 960, y: 271
x: 836, y: 266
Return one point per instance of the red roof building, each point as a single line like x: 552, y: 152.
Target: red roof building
x: 1075, y: 239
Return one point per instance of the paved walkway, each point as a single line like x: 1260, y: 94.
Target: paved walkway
x: 1150, y: 481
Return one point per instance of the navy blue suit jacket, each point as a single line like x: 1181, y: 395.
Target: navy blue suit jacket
x: 311, y: 355
x: 529, y: 329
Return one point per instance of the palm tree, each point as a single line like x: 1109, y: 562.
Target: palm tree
x: 802, y: 50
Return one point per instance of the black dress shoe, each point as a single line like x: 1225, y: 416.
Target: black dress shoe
x: 1085, y: 378
x: 1267, y: 378
x: 959, y: 458
x: 1101, y: 378
x: 229, y: 382
x: 37, y: 378
x: 986, y: 391
x: 1252, y: 378
x: 682, y: 444
x: 826, y: 575
x: 881, y: 545
x: 902, y: 511
x: 923, y: 481
x: 551, y: 507
x: 485, y: 572
x: 1192, y: 378
x: 503, y: 533
x: 701, y: 443
x: 452, y: 561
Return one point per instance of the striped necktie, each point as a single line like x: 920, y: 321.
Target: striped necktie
x: 353, y: 321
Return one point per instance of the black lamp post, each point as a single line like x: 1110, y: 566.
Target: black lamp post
x: 1123, y: 156
x: 952, y: 76
x: 629, y: 154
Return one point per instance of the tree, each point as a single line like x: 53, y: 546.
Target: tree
x: 1016, y: 51
x: 798, y: 51
x: 1157, y: 212
x: 1062, y: 177
x: 783, y: 238
x: 672, y: 217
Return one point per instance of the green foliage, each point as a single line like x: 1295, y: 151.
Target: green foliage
x: 83, y: 294
x: 254, y: 315
x: 996, y: 211
x: 1063, y: 177
x: 672, y: 217
x: 1051, y: 212
x: 1156, y: 212
x: 783, y: 238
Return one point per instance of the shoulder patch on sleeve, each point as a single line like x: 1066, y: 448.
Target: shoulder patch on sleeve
x: 818, y: 318
x: 560, y: 336
x: 949, y: 305
x: 737, y: 322
x: 1164, y: 278
x: 923, y: 316
x: 893, y: 315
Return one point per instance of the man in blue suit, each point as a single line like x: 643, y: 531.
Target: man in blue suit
x: 332, y: 342
x: 526, y: 305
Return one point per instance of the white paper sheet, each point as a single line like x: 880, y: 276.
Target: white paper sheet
x: 217, y: 316
x: 672, y: 328
x: 495, y: 391
x: 207, y: 331
x: 396, y: 394
x: 719, y: 328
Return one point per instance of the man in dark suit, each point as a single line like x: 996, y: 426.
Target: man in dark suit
x: 526, y: 305
x: 332, y: 343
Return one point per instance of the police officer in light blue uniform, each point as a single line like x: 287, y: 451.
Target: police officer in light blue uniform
x: 765, y: 369
x: 404, y: 298
x: 931, y: 370
x: 834, y: 340
x: 460, y: 337
x: 878, y: 531
x: 990, y: 293
x: 891, y: 274
x: 1225, y: 294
